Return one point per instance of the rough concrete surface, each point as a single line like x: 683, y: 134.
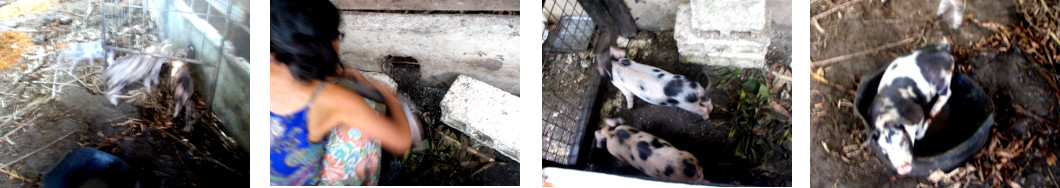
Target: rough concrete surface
x: 715, y: 44
x: 381, y: 78
x: 654, y: 15
x: 444, y: 45
x: 729, y: 15
x: 484, y: 113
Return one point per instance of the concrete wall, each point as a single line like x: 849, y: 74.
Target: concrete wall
x: 483, y: 46
x: 655, y: 15
x: 651, y: 15
x: 231, y: 102
x: 660, y: 15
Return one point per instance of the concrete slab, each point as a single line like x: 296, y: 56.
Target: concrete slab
x: 723, y: 47
x: 445, y: 45
x: 484, y: 113
x: 729, y: 15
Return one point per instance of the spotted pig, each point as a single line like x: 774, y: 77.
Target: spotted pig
x: 655, y: 85
x: 649, y: 154
x: 913, y: 89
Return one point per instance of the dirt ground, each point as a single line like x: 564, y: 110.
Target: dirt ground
x: 1023, y: 143
x: 38, y: 130
x: 452, y: 158
x: 715, y: 142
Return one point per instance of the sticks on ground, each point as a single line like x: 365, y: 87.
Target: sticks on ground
x: 833, y: 10
x: 35, y: 151
x: 469, y: 149
x: 822, y: 80
x: 862, y: 53
x: 20, y: 125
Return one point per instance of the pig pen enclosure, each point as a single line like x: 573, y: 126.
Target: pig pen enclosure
x: 1009, y: 48
x: 747, y: 139
x: 423, y: 49
x: 48, y: 111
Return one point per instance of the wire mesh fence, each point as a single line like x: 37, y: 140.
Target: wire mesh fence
x: 572, y: 29
x: 570, y: 83
x: 201, y: 27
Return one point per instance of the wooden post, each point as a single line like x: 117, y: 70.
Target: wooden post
x: 598, y: 11
x: 627, y: 27
x: 613, y: 19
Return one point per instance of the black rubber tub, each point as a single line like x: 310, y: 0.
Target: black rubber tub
x: 956, y: 134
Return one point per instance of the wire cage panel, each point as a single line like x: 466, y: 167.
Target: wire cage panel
x: 568, y: 28
x: 569, y: 83
x: 198, y: 28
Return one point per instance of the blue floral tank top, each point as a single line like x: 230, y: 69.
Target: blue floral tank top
x: 293, y: 159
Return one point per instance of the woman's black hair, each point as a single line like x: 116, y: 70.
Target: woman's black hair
x: 301, y: 33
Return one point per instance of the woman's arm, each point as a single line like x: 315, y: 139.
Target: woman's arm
x: 348, y: 108
x: 397, y: 115
x: 352, y: 72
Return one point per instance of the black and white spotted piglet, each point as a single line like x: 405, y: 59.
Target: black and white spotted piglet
x: 654, y: 85
x: 651, y: 155
x: 914, y: 88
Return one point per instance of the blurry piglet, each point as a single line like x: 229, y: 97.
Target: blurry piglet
x: 134, y: 68
x: 654, y: 85
x: 951, y: 10
x: 183, y: 88
x: 649, y: 154
x: 76, y: 53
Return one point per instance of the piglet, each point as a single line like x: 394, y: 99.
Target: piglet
x: 76, y: 53
x: 135, y: 68
x: 649, y: 154
x: 183, y: 88
x: 951, y: 10
x: 654, y: 85
x: 914, y: 88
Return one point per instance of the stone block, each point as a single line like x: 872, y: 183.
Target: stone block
x: 484, y: 113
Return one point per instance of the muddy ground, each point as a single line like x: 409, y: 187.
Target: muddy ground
x: 40, y: 129
x: 452, y: 158
x: 1023, y: 143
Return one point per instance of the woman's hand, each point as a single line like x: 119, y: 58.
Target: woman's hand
x: 353, y: 72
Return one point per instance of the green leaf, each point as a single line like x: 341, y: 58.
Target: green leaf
x: 762, y: 93
x: 750, y: 86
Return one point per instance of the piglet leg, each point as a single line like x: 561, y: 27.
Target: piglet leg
x: 629, y: 97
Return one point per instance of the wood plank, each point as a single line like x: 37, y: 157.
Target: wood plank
x: 443, y: 5
x: 626, y: 26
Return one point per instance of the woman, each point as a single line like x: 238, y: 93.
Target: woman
x: 305, y: 107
